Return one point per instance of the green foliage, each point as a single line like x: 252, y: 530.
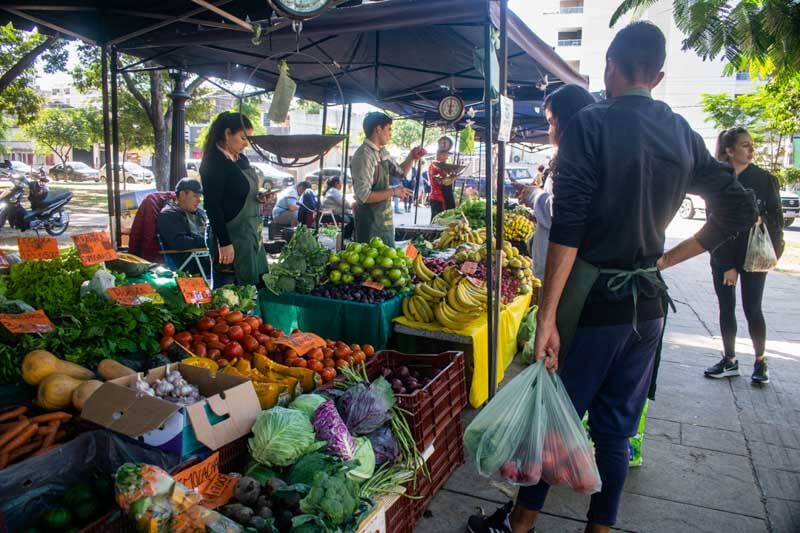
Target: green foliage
x: 466, y: 142
x: 788, y: 175
x: 300, y: 266
x: 762, y: 36
x: 406, y: 133
x: 725, y: 111
x: 61, y: 130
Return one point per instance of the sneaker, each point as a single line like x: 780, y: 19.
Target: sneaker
x: 725, y: 368
x: 497, y: 523
x: 760, y: 372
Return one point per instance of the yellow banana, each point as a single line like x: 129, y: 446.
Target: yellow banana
x: 425, y: 309
x: 419, y: 291
x: 406, y: 310
x: 422, y: 271
x: 412, y: 306
x: 432, y: 292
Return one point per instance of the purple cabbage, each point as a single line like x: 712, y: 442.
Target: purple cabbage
x: 329, y: 426
x: 366, y: 408
x: 384, y: 445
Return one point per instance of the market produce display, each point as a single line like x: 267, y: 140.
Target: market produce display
x: 172, y: 388
x: 517, y: 227
x: 23, y: 436
x: 353, y: 292
x: 459, y: 232
x: 451, y: 299
x: 300, y: 265
x: 375, y: 262
x: 473, y: 210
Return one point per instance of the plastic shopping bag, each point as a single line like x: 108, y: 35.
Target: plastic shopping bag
x: 760, y: 256
x: 530, y: 432
x: 282, y: 97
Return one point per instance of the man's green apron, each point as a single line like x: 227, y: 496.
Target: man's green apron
x: 245, y: 231
x: 376, y: 219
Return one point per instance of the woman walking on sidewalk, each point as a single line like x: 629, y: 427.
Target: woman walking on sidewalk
x: 735, y: 147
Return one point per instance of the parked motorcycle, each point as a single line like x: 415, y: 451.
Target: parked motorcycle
x: 47, y: 210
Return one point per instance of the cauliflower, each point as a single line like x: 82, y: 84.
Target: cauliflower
x: 226, y: 297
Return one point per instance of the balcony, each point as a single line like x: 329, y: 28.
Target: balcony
x: 570, y: 42
x: 570, y: 10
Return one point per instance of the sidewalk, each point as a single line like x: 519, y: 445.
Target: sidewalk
x: 719, y: 455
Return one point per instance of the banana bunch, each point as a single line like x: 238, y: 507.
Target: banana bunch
x: 421, y: 270
x: 517, y: 228
x: 463, y: 304
x: 418, y: 309
x: 433, y: 290
x: 458, y: 233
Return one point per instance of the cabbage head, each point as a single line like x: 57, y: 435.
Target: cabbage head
x: 281, y: 436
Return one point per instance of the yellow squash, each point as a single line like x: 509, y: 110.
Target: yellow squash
x: 39, y: 364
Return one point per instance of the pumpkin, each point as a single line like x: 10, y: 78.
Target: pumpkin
x: 39, y: 364
x: 110, y: 369
x: 83, y: 392
x: 55, y: 391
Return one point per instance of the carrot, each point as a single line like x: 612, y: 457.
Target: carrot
x: 25, y: 450
x: 3, y: 460
x: 50, y: 417
x: 13, y: 432
x: 12, y: 413
x: 7, y: 425
x: 44, y: 430
x: 50, y: 438
x: 20, y: 439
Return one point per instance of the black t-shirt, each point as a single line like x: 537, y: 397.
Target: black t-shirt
x: 225, y: 189
x: 624, y: 166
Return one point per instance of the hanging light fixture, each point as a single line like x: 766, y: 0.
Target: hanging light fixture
x: 299, y: 9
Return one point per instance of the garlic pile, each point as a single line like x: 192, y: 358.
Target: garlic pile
x: 173, y: 388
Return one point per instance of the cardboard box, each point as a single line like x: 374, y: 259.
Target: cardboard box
x: 228, y: 411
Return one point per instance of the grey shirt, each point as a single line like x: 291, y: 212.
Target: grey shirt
x: 363, y: 166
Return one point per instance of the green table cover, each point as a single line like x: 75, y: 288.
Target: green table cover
x: 351, y: 322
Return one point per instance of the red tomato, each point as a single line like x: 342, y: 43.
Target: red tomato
x: 266, y: 328
x: 253, y: 322
x: 233, y: 350
x: 300, y: 362
x: 223, y: 310
x: 316, y: 366
x: 368, y: 350
x: 261, y: 338
x: 328, y: 374
x: 315, y: 355
x: 355, y: 347
x: 246, y: 328
x: 212, y: 314
x: 199, y: 349
x: 342, y: 363
x: 249, y: 343
x: 214, y: 354
x: 296, y: 330
x: 184, y: 338
x: 290, y: 361
x: 220, y: 328
x: 328, y: 363
x: 205, y: 324
x: 166, y: 343
x: 236, y: 333
x: 275, y: 333
x: 327, y: 353
x: 214, y: 345
x: 234, y: 318
x: 210, y: 337
x: 269, y: 345
x: 169, y: 329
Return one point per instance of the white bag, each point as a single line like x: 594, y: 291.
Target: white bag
x: 760, y: 256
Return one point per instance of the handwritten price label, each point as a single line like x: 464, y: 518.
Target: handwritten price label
x: 37, y: 248
x: 302, y: 343
x: 130, y: 294
x: 411, y: 251
x: 33, y: 322
x: 205, y: 477
x: 469, y: 268
x: 94, y: 247
x: 373, y: 285
x: 194, y: 290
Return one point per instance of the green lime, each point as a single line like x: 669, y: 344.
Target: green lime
x: 368, y: 262
x: 386, y: 282
x: 352, y: 258
x: 347, y: 278
x: 389, y: 252
x: 356, y: 270
x: 386, y: 262
x: 401, y: 281
x: 357, y: 247
x: 336, y: 276
x: 398, y: 262
x: 372, y: 252
x: 376, y: 242
x: 332, y: 258
x: 394, y: 274
x: 344, y: 267
x: 376, y: 273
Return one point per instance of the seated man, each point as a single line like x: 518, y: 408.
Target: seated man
x: 285, y: 211
x: 182, y: 224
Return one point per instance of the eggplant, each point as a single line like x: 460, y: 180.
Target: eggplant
x: 402, y: 371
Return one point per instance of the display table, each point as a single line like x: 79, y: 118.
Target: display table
x: 351, y: 322
x: 476, y: 334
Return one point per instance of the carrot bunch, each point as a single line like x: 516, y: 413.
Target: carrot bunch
x: 22, y: 437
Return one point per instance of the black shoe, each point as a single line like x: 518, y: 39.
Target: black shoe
x: 760, y: 372
x: 497, y: 523
x: 725, y: 368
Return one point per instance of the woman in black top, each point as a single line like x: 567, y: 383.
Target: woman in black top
x: 735, y: 147
x: 232, y: 199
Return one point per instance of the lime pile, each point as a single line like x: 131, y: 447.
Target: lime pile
x: 375, y: 262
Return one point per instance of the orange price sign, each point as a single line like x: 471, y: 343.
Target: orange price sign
x: 411, y: 251
x: 373, y: 285
x: 33, y: 322
x: 302, y: 343
x: 33, y: 248
x: 469, y: 268
x: 194, y: 290
x: 94, y: 247
x: 130, y: 294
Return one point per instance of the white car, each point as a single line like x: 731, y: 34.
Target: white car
x: 693, y: 205
x: 273, y: 177
x: 131, y: 172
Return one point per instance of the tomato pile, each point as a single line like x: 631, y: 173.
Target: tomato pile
x: 224, y: 335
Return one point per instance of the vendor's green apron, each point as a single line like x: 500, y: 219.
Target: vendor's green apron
x: 245, y: 231
x: 376, y: 219
x: 620, y: 284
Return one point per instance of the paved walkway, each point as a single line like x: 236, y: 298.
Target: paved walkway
x: 719, y: 455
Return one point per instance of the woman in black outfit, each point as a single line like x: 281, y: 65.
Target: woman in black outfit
x: 232, y: 199
x: 735, y: 147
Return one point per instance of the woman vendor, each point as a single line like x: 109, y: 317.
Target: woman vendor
x: 232, y: 199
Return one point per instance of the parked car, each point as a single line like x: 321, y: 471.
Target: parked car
x: 274, y: 178
x: 74, y: 171
x: 17, y: 169
x: 515, y: 175
x: 694, y: 205
x: 193, y: 168
x: 327, y: 173
x: 131, y: 173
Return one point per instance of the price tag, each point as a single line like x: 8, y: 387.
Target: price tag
x: 411, y: 251
x: 33, y: 322
x: 475, y: 281
x: 3, y: 260
x: 469, y: 268
x: 130, y: 294
x: 94, y: 247
x: 373, y: 285
x: 204, y: 477
x: 194, y: 290
x: 34, y: 248
x: 302, y: 343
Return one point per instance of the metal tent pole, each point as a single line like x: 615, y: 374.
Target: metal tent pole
x: 345, y: 163
x: 115, y: 142
x: 501, y: 170
x: 321, y: 168
x: 487, y: 141
x: 107, y: 143
x: 419, y: 170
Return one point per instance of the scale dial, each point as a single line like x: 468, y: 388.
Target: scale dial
x: 451, y: 108
x: 299, y: 9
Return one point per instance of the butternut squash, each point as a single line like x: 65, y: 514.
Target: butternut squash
x: 83, y: 392
x: 39, y: 364
x: 110, y: 369
x: 55, y: 391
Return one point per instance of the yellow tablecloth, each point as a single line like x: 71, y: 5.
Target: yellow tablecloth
x: 510, y: 319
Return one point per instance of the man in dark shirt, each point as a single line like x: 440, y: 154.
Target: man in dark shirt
x: 624, y: 166
x: 182, y: 225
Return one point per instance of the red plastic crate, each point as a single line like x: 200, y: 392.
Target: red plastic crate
x: 399, y: 517
x: 435, y: 405
x: 448, y: 455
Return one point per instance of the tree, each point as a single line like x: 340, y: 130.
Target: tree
x: 762, y: 36
x: 19, y: 51
x: 725, y: 111
x: 156, y: 106
x: 406, y: 133
x: 62, y: 130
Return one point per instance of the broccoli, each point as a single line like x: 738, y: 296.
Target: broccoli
x: 335, y: 498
